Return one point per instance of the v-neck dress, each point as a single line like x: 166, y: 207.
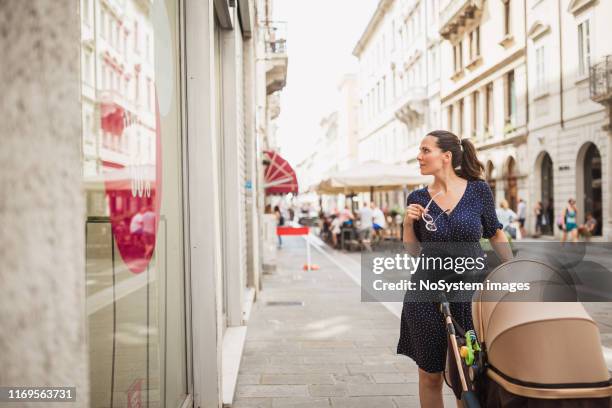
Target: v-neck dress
x: 422, y: 330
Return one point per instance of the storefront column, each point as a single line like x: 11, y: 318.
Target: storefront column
x: 42, y: 211
x: 253, y: 261
x: 231, y: 43
x: 203, y: 192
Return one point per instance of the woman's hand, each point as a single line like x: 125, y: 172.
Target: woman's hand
x: 413, y: 213
x: 501, y: 246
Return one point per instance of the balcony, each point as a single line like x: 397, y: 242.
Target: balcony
x: 457, y: 13
x: 276, y: 55
x: 411, y: 108
x: 600, y: 84
x: 601, y: 81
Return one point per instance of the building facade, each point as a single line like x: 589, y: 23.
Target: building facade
x: 515, y: 79
x: 399, y: 84
x: 159, y: 116
x: 484, y: 87
x: 569, y: 148
x: 526, y: 80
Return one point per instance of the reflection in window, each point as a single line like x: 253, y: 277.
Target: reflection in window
x: 136, y: 339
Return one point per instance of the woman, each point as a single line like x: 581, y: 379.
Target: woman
x: 568, y: 221
x: 463, y: 211
x: 280, y: 221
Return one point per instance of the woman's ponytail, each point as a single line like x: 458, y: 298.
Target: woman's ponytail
x: 464, y: 158
x: 471, y: 168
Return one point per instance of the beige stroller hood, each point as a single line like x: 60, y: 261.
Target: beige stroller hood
x: 536, y: 349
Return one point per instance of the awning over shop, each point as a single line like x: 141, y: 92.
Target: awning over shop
x: 372, y: 176
x: 112, y: 118
x: 279, y: 176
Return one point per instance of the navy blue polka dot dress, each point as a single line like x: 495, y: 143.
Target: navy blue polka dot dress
x: 422, y: 331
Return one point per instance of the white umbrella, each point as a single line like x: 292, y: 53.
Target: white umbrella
x: 376, y: 174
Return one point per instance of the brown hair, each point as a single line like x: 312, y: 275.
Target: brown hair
x: 464, y: 158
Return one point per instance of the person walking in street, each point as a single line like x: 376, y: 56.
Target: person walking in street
x: 457, y: 207
x: 521, y: 211
x: 366, y: 225
x: 379, y: 219
x: 335, y: 226
x: 568, y: 221
x: 280, y: 221
x: 538, y: 212
x: 506, y: 216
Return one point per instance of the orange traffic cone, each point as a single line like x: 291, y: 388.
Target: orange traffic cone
x: 313, y: 267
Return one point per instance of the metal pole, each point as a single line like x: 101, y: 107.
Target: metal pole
x: 308, y: 251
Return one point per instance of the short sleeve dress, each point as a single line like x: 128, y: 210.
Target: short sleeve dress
x: 422, y: 330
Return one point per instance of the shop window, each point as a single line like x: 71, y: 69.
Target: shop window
x: 135, y: 277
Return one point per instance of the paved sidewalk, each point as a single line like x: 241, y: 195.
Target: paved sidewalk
x: 332, y: 351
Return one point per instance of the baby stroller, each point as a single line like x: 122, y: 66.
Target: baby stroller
x: 526, y: 352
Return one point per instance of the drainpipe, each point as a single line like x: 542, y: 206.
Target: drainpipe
x: 526, y: 66
x: 425, y: 11
x: 561, y: 120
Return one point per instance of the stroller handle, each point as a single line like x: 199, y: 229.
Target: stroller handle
x: 468, y: 397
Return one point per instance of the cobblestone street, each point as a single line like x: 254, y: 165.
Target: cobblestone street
x: 333, y: 350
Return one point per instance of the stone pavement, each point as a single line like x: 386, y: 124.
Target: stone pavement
x: 332, y: 351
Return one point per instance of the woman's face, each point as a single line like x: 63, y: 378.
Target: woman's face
x: 431, y: 158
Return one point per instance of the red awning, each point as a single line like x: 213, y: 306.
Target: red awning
x: 112, y: 115
x: 279, y: 177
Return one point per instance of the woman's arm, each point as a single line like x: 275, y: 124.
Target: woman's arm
x: 501, y: 246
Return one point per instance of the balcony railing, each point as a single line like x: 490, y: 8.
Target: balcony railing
x: 600, y: 81
x: 276, y: 47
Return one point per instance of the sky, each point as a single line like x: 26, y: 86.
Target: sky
x: 321, y: 36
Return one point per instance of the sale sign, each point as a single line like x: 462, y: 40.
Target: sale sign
x: 133, y: 189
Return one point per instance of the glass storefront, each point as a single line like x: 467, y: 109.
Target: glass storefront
x: 132, y: 166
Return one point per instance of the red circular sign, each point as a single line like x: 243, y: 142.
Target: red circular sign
x: 133, y: 192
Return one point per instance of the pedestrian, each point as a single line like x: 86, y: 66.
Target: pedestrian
x: 458, y: 207
x: 280, y: 221
x: 291, y: 214
x: 568, y: 221
x: 346, y: 216
x: 587, y: 230
x: 336, y: 229
x: 365, y: 226
x: 506, y: 216
x: 538, y: 212
x: 379, y: 222
x: 521, y: 212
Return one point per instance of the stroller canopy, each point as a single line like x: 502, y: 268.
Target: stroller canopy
x: 537, y: 348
